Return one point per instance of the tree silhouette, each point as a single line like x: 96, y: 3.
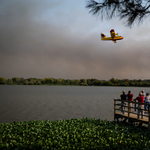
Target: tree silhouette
x: 133, y: 11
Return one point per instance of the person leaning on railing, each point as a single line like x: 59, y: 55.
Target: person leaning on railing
x: 123, y: 104
x: 130, y: 96
x: 147, y: 101
x: 140, y: 99
x: 144, y: 94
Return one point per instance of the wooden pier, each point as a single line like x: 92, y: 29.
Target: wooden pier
x: 131, y: 117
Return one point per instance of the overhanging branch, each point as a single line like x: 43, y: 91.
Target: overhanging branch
x: 130, y: 10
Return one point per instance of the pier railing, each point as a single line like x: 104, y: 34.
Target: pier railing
x: 131, y: 116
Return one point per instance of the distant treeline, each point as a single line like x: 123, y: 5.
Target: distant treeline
x: 82, y: 82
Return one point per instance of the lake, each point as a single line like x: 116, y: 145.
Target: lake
x: 34, y: 102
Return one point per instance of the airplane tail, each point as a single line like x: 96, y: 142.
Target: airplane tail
x: 102, y: 35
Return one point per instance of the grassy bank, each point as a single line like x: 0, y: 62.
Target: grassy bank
x: 72, y: 134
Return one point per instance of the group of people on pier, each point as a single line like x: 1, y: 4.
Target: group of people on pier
x: 142, y: 98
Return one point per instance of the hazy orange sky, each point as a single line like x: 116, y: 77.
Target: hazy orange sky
x: 60, y: 39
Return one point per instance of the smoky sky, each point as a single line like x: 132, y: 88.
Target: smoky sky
x: 60, y: 39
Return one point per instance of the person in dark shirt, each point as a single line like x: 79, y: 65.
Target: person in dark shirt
x: 123, y: 103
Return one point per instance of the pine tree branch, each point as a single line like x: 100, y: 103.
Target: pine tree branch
x: 133, y: 11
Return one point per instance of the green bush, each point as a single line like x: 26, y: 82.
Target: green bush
x: 72, y: 134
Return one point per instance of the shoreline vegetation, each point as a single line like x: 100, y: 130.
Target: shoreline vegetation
x: 78, y: 82
x: 73, y: 133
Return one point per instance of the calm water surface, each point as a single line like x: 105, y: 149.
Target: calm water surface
x: 26, y: 102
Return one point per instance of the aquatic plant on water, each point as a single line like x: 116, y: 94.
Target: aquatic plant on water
x: 75, y: 134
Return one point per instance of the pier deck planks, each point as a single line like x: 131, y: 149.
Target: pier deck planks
x: 133, y: 117
x: 130, y: 116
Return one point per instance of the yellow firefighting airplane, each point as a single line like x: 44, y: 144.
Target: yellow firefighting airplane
x: 113, y: 36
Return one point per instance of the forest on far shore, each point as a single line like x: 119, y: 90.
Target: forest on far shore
x: 81, y: 82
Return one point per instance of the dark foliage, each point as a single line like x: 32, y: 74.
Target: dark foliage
x: 133, y: 11
x: 81, y: 82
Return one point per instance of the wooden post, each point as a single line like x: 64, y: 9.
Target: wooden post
x: 135, y: 106
x: 114, y: 109
x: 148, y: 117
x: 128, y: 110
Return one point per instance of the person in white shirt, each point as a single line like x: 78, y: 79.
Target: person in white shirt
x: 147, y: 100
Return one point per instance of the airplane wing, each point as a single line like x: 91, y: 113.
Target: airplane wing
x: 118, y: 38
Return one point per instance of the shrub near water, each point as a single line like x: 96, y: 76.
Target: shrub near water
x: 72, y: 134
